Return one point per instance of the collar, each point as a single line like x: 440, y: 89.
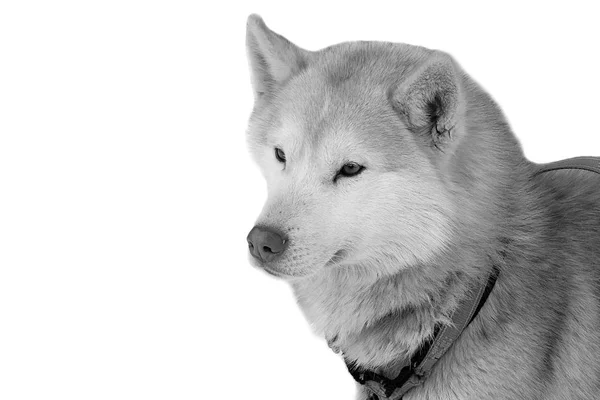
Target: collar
x: 418, y: 368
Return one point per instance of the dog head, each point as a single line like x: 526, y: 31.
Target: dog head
x: 352, y: 141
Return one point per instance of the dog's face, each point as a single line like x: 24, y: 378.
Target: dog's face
x: 350, y: 183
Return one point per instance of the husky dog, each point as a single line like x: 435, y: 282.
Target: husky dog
x: 396, y: 188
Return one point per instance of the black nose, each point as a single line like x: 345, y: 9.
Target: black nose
x: 265, y: 244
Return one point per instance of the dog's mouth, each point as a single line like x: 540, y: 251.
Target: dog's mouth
x: 337, y: 257
x: 273, y: 272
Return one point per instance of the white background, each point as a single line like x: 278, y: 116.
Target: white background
x: 126, y: 191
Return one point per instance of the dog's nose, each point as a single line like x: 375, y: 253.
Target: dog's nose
x: 265, y: 244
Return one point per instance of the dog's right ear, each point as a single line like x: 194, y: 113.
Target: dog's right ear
x: 273, y: 59
x: 430, y: 99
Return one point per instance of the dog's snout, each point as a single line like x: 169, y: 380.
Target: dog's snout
x: 265, y: 244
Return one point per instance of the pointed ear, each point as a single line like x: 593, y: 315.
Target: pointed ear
x: 430, y: 99
x: 273, y: 59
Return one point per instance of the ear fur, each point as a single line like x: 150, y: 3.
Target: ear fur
x: 430, y: 99
x: 273, y: 59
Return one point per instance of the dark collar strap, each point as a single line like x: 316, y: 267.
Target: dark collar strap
x: 418, y: 368
x: 586, y: 163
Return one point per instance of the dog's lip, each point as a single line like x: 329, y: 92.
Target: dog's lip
x: 337, y: 256
x: 257, y: 264
x: 284, y: 274
x: 272, y: 272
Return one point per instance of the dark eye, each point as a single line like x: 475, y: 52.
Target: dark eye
x: 279, y: 155
x: 351, y: 169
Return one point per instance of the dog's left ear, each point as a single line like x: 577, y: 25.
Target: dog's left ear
x: 273, y: 59
x: 430, y: 100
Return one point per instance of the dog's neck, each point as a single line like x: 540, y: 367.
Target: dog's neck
x: 378, y: 321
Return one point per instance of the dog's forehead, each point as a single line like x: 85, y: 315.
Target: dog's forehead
x: 318, y: 105
x: 314, y: 116
x: 328, y: 124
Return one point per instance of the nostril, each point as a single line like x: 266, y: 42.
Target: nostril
x: 269, y: 250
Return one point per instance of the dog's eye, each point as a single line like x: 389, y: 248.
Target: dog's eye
x: 351, y: 169
x: 279, y: 155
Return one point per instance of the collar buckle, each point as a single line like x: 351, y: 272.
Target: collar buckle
x: 393, y: 393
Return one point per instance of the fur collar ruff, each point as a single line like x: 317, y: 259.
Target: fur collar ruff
x: 417, y: 368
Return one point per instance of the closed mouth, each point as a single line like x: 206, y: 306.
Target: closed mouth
x: 273, y: 272
x: 338, y: 256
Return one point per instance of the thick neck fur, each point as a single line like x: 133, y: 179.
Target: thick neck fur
x: 377, y: 320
